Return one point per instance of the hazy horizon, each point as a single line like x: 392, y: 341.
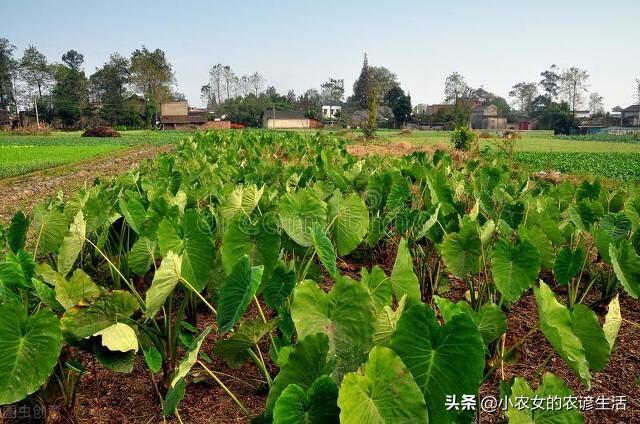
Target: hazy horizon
x: 298, y: 46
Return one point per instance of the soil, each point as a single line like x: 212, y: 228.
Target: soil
x: 22, y: 192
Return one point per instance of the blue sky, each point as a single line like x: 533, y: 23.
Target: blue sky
x: 297, y: 45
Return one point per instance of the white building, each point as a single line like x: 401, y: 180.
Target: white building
x: 331, y: 111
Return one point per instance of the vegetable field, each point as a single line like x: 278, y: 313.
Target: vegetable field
x: 375, y: 290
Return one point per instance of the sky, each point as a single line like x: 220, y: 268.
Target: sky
x: 300, y: 44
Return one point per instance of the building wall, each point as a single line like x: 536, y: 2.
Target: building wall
x: 291, y: 123
x: 174, y: 108
x: 216, y: 125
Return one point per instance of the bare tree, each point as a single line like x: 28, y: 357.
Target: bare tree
x: 638, y: 90
x: 244, y: 84
x: 257, y: 81
x: 215, y: 81
x: 229, y: 77
x: 573, y: 85
x: 596, y: 104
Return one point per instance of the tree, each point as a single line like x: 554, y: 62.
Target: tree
x: 573, y: 84
x: 208, y: 97
x: 550, y: 82
x: 392, y: 96
x: 558, y: 117
x: 402, y: 109
x: 152, y: 76
x: 244, y: 85
x: 8, y: 66
x: 256, y: 81
x: 228, y: 76
x: 332, y: 90
x: 361, y: 85
x: 638, y: 90
x: 215, y: 81
x: 524, y: 92
x: 35, y: 71
x: 70, y: 94
x: 456, y: 89
x: 291, y: 97
x: 376, y: 79
x: 309, y: 100
x: 596, y: 104
x: 108, y: 86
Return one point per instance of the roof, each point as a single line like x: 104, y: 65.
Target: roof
x: 632, y: 108
x: 284, y: 114
x: 183, y: 119
x: 617, y: 109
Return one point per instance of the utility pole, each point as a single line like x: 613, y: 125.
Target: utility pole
x: 37, y: 118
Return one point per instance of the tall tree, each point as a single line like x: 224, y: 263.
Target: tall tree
x: 573, y: 85
x: 402, y: 109
x: 550, y: 82
x: 596, y: 104
x: 208, y: 97
x: 8, y: 66
x: 35, y: 71
x: 309, y: 100
x: 525, y: 93
x: 228, y: 76
x: 108, y: 87
x: 256, y: 81
x: 332, y: 90
x: 376, y: 79
x: 70, y: 93
x: 638, y: 90
x: 291, y: 96
x: 215, y: 81
x: 361, y: 86
x: 151, y: 75
x: 456, y: 88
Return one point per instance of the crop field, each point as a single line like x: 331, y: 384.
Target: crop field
x: 275, y: 277
x: 23, y: 154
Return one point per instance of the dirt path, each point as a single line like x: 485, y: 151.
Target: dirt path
x: 22, y: 192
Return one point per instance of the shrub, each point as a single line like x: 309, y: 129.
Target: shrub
x: 102, y: 131
x: 462, y: 138
x: 485, y: 134
x: 32, y: 130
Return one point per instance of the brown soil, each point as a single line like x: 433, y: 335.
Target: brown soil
x: 22, y: 192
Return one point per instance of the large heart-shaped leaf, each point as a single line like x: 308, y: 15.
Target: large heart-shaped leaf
x: 239, y: 289
x: 165, y: 280
x: 29, y: 349
x: 447, y: 360
x: 461, y: 251
x: 72, y: 244
x: 515, y: 267
x: 626, y: 264
x: 119, y: 337
x: 17, y: 269
x: 234, y: 350
x: 585, y: 325
x: 617, y: 225
x: 316, y: 406
x: 378, y: 285
x: 324, y: 250
x: 350, y: 220
x: 50, y: 228
x: 298, y: 212
x: 403, y: 279
x: 383, y: 392
x: 567, y: 265
x: 612, y: 322
x: 279, y: 286
x: 387, y: 322
x: 345, y: 315
x: 142, y: 255
x: 241, y: 201
x: 17, y: 232
x: 491, y: 321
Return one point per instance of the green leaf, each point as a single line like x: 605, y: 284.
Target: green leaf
x: 350, y: 219
x: 17, y: 232
x: 119, y: 337
x: 134, y: 213
x: 50, y: 228
x: 29, y: 350
x: 567, y: 265
x: 387, y: 322
x: 76, y: 290
x: 542, y: 244
x: 153, y: 358
x: 461, y: 251
x: 17, y: 269
x: 165, y: 280
x: 308, y: 361
x: 612, y: 322
x: 585, y: 325
x: 316, y: 406
x: 626, y: 265
x: 141, y: 255
x: 72, y: 244
x: 190, y: 357
x: 383, y: 392
x: 121, y: 362
x: 279, y: 287
x: 324, y: 250
x: 551, y: 387
x: 617, y: 225
x: 234, y: 350
x: 239, y: 289
x: 515, y: 267
x: 491, y: 321
x: 379, y: 287
x: 242, y: 201
x: 175, y: 394
x: 444, y: 360
x: 345, y: 315
x: 555, y: 323
x: 298, y: 212
x: 403, y: 279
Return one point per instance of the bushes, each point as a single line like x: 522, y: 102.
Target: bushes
x: 462, y: 138
x: 101, y: 132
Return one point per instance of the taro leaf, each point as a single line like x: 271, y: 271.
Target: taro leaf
x: 612, y: 322
x: 165, y: 280
x: 387, y: 322
x: 429, y: 223
x: 17, y: 232
x: 350, y: 219
x: 234, y: 349
x: 260, y: 241
x: 141, y: 255
x: 190, y: 357
x: 134, y: 213
x: 567, y: 265
x: 441, y: 192
x: 72, y: 244
x: 324, y: 250
x: 121, y: 362
x: 461, y: 251
x: 241, y: 201
x: 76, y: 290
x: 239, y: 289
x: 308, y: 360
x: 602, y: 240
x: 29, y: 350
x: 298, y: 212
x: 119, y: 337
x: 491, y: 321
x: 555, y: 323
x: 585, y: 325
x: 279, y: 287
x: 383, y: 392
x: 17, y: 269
x: 153, y: 358
x: 587, y: 190
x: 50, y: 228
x: 515, y: 267
x: 617, y: 225
x: 403, y: 279
x: 542, y: 244
x: 47, y: 295
x: 626, y: 264
x: 345, y: 315
x: 81, y: 322
x: 444, y: 360
x: 316, y: 406
x: 175, y: 394
x: 379, y: 287
x: 551, y: 387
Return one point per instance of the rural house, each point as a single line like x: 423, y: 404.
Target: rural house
x: 177, y: 115
x: 486, y: 118
x: 331, y: 111
x: 631, y: 116
x: 288, y: 119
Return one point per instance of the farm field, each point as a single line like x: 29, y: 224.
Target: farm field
x: 273, y: 276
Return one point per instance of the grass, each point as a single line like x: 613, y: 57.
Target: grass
x: 623, y: 166
x: 20, y: 154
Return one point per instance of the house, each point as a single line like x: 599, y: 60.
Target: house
x: 631, y: 116
x: 435, y: 108
x: 178, y: 115
x: 616, y: 112
x: 8, y: 120
x: 487, y: 118
x: 288, y: 119
x: 331, y: 111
